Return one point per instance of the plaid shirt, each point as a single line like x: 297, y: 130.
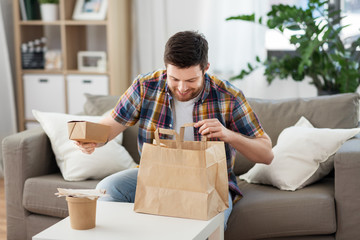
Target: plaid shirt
x: 148, y: 100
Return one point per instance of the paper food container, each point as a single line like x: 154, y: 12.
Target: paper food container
x: 82, y: 212
x: 88, y: 131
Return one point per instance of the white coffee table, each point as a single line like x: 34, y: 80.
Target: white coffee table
x: 119, y: 221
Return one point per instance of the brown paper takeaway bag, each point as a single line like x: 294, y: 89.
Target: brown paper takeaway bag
x: 182, y: 178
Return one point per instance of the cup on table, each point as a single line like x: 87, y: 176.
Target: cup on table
x: 82, y: 212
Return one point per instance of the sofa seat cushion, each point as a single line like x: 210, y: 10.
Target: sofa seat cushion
x: 266, y: 212
x: 39, y: 194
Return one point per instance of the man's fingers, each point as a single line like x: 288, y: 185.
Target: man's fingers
x: 88, y: 151
x: 86, y: 147
x: 208, y: 126
x: 85, y: 144
x: 205, y: 121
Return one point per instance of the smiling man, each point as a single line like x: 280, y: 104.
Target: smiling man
x: 184, y: 93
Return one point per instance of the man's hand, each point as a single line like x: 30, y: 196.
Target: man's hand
x: 86, y: 147
x: 212, y: 128
x: 116, y: 129
x: 256, y: 149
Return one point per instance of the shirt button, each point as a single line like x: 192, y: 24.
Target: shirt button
x: 170, y: 125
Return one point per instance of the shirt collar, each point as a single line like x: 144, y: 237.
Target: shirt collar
x: 206, y: 90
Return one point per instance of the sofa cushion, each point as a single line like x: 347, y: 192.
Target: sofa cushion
x: 301, y: 156
x: 332, y: 111
x: 308, y: 211
x: 39, y: 194
x: 96, y: 105
x: 74, y: 164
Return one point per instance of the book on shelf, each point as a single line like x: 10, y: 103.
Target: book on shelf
x: 22, y: 10
x: 30, y: 10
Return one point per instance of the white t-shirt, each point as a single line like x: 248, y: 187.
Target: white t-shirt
x: 183, y: 113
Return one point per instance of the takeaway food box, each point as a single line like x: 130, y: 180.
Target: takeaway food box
x: 85, y: 131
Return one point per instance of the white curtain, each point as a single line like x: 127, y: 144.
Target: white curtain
x: 232, y: 44
x: 154, y: 22
x: 7, y: 105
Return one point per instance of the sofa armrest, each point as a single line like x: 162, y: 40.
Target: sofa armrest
x: 26, y: 154
x: 347, y: 189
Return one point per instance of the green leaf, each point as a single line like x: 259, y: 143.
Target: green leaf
x: 294, y: 27
x: 244, y: 72
x: 250, y: 18
x: 260, y: 20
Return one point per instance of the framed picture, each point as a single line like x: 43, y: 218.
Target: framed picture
x: 90, y: 10
x: 92, y: 61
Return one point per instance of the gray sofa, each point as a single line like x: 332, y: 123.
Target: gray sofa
x: 327, y: 209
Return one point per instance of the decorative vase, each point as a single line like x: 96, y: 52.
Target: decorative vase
x: 49, y: 11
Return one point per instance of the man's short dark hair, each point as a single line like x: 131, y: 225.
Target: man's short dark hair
x: 186, y: 49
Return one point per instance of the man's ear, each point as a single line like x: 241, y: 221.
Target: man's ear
x: 207, y: 67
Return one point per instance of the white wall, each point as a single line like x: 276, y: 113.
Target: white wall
x: 7, y: 104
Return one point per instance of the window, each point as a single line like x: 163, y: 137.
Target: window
x: 351, y: 13
x: 277, y: 43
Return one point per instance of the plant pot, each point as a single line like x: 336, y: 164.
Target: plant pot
x: 49, y: 11
x: 321, y: 92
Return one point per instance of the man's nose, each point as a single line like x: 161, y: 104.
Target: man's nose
x: 182, y: 86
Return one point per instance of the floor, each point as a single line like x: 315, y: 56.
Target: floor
x: 2, y: 211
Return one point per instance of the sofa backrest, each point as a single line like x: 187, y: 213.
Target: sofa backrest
x: 332, y: 111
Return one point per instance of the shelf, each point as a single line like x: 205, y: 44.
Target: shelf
x: 74, y: 71
x: 41, y: 71
x: 60, y: 22
x: 65, y: 72
x: 70, y: 36
x: 82, y: 23
x: 39, y: 23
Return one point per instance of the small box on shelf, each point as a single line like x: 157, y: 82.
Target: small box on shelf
x: 32, y: 54
x: 32, y: 60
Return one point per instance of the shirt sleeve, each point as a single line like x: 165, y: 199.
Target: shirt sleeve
x: 244, y: 119
x: 127, y: 109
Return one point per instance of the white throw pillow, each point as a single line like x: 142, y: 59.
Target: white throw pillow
x: 301, y: 156
x: 74, y: 164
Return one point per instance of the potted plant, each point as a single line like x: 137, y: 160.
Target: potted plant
x: 320, y: 54
x: 49, y: 10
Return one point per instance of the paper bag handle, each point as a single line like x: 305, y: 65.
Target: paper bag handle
x: 168, y: 132
x: 182, y: 132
